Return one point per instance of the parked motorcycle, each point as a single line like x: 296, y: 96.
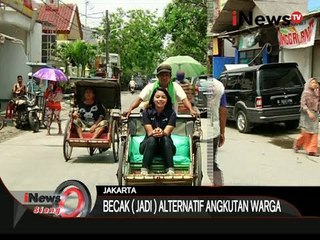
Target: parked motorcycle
x: 26, y: 113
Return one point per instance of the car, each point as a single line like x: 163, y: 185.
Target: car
x: 139, y: 83
x: 266, y: 93
x: 201, y: 87
x: 152, y: 80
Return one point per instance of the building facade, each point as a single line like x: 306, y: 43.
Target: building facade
x: 249, y: 29
x: 20, y: 34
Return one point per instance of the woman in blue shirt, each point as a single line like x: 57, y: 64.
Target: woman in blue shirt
x: 159, y: 120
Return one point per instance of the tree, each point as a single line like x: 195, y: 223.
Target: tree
x: 82, y: 54
x: 63, y: 53
x: 185, y: 21
x: 135, y: 37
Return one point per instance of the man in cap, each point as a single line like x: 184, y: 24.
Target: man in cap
x: 164, y: 80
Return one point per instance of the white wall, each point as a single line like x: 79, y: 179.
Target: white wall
x: 12, y: 63
x: 302, y: 56
x: 35, y: 43
x: 229, y: 51
x: 18, y: 26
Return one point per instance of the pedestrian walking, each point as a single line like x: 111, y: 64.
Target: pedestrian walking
x: 309, y: 124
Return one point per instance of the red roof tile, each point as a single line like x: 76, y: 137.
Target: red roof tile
x: 61, y: 17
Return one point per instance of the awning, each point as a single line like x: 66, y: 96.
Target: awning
x: 224, y: 20
x: 281, y: 8
x: 223, y: 23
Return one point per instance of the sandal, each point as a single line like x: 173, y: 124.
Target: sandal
x: 313, y: 154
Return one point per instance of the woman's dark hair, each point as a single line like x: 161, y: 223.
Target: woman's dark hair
x: 55, y: 85
x: 91, y: 89
x: 169, y: 102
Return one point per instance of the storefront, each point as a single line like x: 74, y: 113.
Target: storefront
x: 300, y: 43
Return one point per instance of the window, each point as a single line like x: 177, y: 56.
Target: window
x: 48, y: 45
x: 223, y: 80
x: 282, y: 77
x: 249, y: 55
x: 234, y: 82
x: 248, y: 81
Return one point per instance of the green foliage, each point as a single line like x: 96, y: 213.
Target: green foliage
x: 63, y: 53
x: 138, y: 36
x: 185, y: 21
x: 79, y: 52
x: 135, y: 37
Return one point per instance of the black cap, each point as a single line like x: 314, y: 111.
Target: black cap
x: 164, y: 68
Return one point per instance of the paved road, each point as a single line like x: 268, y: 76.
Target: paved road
x: 34, y: 161
x: 265, y: 158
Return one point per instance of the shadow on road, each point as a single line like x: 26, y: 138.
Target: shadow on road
x: 276, y: 131
x: 268, y: 130
x: 102, y: 158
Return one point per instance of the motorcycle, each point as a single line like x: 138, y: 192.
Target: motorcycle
x: 26, y: 113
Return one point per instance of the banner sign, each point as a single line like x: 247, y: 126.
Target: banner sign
x: 298, y: 36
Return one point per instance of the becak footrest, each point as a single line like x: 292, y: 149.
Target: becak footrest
x: 87, y: 141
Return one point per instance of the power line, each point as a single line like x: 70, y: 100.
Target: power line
x: 70, y: 8
x: 84, y: 15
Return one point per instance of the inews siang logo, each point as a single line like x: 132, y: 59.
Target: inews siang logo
x: 71, y: 199
x: 238, y: 18
x: 37, y: 198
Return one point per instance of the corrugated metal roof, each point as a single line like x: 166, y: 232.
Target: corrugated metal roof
x: 223, y: 22
x: 280, y: 8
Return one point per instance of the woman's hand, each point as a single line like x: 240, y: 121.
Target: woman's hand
x: 311, y: 115
x: 157, y: 132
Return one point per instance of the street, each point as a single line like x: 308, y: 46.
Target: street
x: 34, y: 161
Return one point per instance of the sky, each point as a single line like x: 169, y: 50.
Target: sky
x: 96, y: 8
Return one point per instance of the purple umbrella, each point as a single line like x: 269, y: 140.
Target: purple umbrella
x: 51, y: 74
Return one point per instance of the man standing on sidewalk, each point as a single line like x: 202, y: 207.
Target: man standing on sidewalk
x: 218, y: 107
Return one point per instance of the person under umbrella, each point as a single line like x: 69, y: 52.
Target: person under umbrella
x: 53, y: 97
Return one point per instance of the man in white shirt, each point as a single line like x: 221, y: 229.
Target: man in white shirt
x: 164, y: 80
x: 218, y: 107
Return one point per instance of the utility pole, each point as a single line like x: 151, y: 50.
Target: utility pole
x: 86, y: 12
x: 107, y: 40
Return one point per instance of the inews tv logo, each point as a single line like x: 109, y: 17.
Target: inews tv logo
x: 37, y: 198
x: 238, y: 18
x: 70, y: 199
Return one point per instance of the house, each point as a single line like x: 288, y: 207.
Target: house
x: 61, y: 22
x: 19, y: 43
